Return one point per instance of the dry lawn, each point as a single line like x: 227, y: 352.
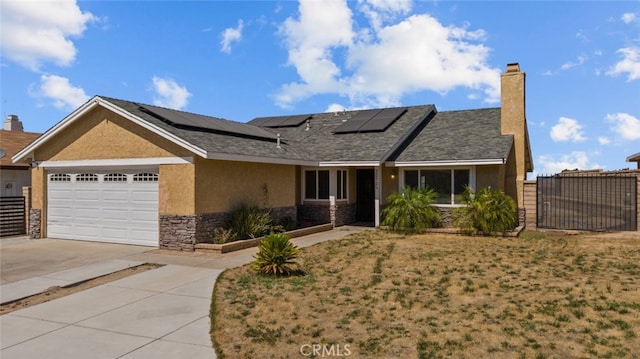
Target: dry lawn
x: 381, y: 295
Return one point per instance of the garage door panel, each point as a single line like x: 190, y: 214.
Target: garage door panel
x: 106, y: 211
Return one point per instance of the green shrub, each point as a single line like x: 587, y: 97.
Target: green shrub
x: 287, y: 223
x: 249, y: 222
x: 276, y: 255
x: 488, y: 211
x: 411, y: 210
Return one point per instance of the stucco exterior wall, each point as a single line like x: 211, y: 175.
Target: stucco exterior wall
x: 513, y: 120
x: 102, y: 134
x: 177, y: 189
x: 490, y: 176
x: 390, y: 184
x: 223, y: 185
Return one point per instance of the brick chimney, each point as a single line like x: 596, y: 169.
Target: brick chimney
x: 514, y: 122
x: 12, y: 123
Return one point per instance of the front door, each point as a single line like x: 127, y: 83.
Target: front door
x: 365, y: 195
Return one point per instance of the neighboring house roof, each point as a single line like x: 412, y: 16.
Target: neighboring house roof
x: 416, y: 134
x: 12, y: 142
x: 455, y: 137
x: 634, y: 158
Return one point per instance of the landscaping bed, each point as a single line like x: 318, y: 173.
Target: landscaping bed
x: 248, y: 243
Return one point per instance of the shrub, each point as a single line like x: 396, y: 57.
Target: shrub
x: 221, y: 236
x: 411, y: 210
x: 276, y: 255
x: 249, y: 222
x: 488, y: 211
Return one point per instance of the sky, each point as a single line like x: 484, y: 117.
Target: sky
x: 244, y: 59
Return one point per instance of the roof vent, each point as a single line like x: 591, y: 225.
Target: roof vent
x: 278, y: 141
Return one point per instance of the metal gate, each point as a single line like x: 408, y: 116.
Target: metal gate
x: 591, y: 203
x: 12, y: 216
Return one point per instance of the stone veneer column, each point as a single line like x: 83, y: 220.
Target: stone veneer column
x: 35, y: 231
x: 177, y: 232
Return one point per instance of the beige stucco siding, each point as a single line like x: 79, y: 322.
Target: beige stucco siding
x: 177, y: 189
x: 389, y: 181
x: 490, y: 176
x: 102, y: 134
x: 223, y: 185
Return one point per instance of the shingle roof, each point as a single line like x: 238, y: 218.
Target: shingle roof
x: 12, y: 142
x: 420, y: 134
x: 459, y: 136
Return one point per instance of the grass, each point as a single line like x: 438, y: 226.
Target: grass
x: 386, y: 295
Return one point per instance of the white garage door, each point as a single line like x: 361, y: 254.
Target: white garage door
x: 116, y: 207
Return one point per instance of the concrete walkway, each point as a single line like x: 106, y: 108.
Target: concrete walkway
x: 161, y: 313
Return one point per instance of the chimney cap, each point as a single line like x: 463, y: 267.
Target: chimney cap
x: 513, y: 67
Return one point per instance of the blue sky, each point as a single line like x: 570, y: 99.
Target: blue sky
x: 244, y: 59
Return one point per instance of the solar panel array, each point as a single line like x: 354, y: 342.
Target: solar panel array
x: 280, y: 121
x: 186, y: 119
x: 371, y: 120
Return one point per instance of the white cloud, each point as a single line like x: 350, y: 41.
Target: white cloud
x: 578, y: 62
x: 231, y: 35
x: 604, y: 140
x: 62, y: 92
x: 567, y: 129
x: 383, y: 62
x: 34, y: 32
x: 628, y: 17
x: 169, y: 93
x: 629, y: 64
x: 549, y: 164
x: 625, y: 125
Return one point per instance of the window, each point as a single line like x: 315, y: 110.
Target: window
x: 449, y: 184
x: 316, y: 184
x: 341, y: 184
x: 87, y: 177
x: 60, y: 177
x: 145, y: 177
x: 115, y: 177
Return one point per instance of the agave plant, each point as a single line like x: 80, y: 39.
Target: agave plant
x: 411, y: 210
x: 276, y: 255
x: 489, y: 211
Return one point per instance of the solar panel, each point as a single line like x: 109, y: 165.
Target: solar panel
x: 280, y: 121
x: 179, y: 118
x: 371, y: 120
x: 382, y: 120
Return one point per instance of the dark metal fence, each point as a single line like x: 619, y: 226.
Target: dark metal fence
x: 12, y: 216
x: 592, y: 203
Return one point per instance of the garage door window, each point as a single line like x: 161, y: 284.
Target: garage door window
x: 60, y: 177
x: 145, y: 177
x: 87, y: 177
x: 115, y: 177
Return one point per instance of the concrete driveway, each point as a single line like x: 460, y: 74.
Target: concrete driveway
x: 161, y: 313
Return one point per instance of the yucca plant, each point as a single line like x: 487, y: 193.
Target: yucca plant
x: 276, y: 255
x: 489, y: 211
x: 411, y: 210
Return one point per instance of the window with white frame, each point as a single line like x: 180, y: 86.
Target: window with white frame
x: 341, y: 184
x: 449, y: 184
x: 316, y: 184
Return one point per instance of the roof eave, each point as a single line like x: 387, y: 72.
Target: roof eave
x: 448, y: 163
x: 634, y: 157
x: 88, y: 106
x: 258, y: 159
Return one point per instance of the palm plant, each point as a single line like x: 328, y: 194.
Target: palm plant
x: 276, y: 255
x: 411, y: 210
x: 489, y: 211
